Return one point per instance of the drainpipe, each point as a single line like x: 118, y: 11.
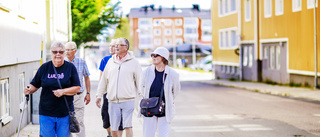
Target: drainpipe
x: 239, y: 42
x: 315, y: 46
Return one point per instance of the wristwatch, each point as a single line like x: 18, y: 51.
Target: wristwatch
x: 88, y: 92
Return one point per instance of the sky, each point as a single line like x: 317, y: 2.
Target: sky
x: 128, y: 4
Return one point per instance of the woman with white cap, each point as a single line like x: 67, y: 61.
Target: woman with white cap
x: 157, y: 76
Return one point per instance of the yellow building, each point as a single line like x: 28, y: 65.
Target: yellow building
x: 275, y: 40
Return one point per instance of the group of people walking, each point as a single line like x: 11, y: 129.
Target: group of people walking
x: 122, y: 80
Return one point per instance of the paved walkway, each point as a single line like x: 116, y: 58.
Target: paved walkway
x: 295, y: 92
x: 93, y: 118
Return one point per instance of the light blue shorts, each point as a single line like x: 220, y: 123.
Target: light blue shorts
x: 54, y: 126
x: 124, y: 109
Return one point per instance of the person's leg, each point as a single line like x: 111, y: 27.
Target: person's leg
x: 149, y: 126
x: 120, y: 128
x: 78, y: 102
x: 163, y: 127
x: 47, y: 126
x: 115, y: 116
x: 127, y: 111
x: 62, y: 127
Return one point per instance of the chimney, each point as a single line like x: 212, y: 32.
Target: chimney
x: 160, y: 8
x: 196, y: 7
x: 173, y: 7
x: 145, y: 9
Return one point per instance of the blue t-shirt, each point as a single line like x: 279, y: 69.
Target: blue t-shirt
x: 50, y: 105
x: 104, y: 62
x: 157, y: 85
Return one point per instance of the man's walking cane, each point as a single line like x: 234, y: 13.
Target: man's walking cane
x: 24, y: 106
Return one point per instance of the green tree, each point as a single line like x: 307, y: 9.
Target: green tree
x: 123, y: 30
x: 89, y: 17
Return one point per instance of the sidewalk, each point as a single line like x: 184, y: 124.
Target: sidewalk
x: 295, y: 92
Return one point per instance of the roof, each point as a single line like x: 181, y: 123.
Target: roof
x: 145, y: 12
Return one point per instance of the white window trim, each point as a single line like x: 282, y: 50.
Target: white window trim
x: 294, y: 8
x: 222, y: 44
x: 250, y: 56
x: 21, y: 88
x: 247, y: 19
x: 229, y: 7
x: 167, y: 22
x: 310, y: 4
x: 278, y: 57
x: 267, y: 15
x: 157, y: 41
x: 167, y: 34
x: 179, y: 34
x: 155, y: 30
x: 5, y: 118
x: 245, y: 56
x: 277, y: 4
x: 271, y: 57
x: 178, y: 24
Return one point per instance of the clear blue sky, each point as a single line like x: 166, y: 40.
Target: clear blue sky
x: 128, y: 4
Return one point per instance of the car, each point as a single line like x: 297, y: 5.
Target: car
x: 203, y: 64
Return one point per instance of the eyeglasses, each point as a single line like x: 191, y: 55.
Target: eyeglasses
x: 70, y: 49
x: 120, y: 45
x: 154, y: 55
x: 56, y: 52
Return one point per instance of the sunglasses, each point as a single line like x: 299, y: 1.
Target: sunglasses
x: 120, y: 45
x: 56, y: 52
x: 70, y: 49
x: 154, y: 55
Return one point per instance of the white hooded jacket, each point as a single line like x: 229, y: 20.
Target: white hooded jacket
x: 171, y: 88
x: 120, y: 80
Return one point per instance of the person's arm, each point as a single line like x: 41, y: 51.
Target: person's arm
x: 102, y: 88
x: 30, y: 89
x: 87, y: 97
x: 176, y: 85
x: 66, y: 91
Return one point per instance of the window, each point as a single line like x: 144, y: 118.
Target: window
x: 221, y: 40
x: 190, y: 30
x: 228, y: 69
x: 228, y: 38
x: 267, y: 8
x: 167, y: 32
x: 296, y: 5
x: 245, y: 56
x: 157, y: 32
x: 234, y: 38
x: 168, y: 41
x: 311, y: 4
x: 271, y: 57
x: 250, y: 53
x: 279, y: 7
x: 21, y: 87
x: 248, y: 10
x: 178, y: 22
x: 167, y: 22
x: 265, y: 52
x: 156, y: 22
x: 179, y: 41
x: 4, y: 101
x: 143, y: 41
x: 278, y: 61
x: 227, y: 7
x: 157, y: 41
x: 178, y: 32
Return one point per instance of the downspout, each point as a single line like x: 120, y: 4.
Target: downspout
x: 315, y: 46
x: 239, y: 41
x: 257, y: 40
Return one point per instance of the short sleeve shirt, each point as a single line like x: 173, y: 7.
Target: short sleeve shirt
x: 104, y: 62
x: 50, y: 105
x: 82, y: 69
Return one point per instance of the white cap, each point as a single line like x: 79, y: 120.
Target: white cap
x: 162, y: 51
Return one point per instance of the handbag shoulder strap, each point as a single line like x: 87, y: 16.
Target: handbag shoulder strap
x: 55, y: 71
x: 162, y: 89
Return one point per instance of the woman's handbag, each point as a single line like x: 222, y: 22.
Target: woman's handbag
x: 153, y: 106
x: 73, y: 122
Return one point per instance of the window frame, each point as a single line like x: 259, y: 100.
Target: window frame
x: 271, y: 57
x: 295, y: 7
x: 247, y: 13
x: 5, y: 99
x: 278, y: 6
x: 225, y: 7
x: 267, y: 7
x: 226, y: 41
x: 310, y: 4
